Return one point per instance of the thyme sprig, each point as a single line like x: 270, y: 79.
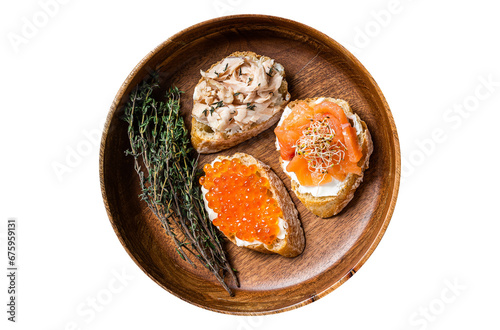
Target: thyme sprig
x: 166, y: 165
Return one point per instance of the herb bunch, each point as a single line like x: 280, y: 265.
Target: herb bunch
x: 166, y: 165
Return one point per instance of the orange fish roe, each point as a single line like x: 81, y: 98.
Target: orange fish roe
x: 242, y: 200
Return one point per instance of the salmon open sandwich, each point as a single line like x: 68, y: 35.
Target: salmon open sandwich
x: 324, y: 149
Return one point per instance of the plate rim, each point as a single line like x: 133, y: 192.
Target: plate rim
x: 303, y: 27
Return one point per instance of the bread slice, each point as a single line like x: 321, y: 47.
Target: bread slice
x: 329, y: 206
x: 206, y: 140
x: 294, y: 242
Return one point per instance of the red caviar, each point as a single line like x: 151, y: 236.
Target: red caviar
x: 242, y: 200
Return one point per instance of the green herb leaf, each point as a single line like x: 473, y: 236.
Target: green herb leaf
x: 270, y: 72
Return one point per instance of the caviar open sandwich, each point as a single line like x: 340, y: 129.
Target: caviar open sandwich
x: 242, y: 200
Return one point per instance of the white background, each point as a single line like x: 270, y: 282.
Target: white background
x: 437, y: 265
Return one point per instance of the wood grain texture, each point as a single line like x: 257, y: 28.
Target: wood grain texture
x: 335, y: 248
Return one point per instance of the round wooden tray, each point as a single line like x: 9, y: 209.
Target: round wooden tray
x: 336, y: 248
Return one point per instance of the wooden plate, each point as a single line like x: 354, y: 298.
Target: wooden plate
x: 336, y: 248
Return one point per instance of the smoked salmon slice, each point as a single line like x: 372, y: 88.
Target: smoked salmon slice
x: 319, y: 142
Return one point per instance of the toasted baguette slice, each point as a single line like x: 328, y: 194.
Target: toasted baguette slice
x: 294, y: 242
x: 207, y: 140
x: 328, y: 206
